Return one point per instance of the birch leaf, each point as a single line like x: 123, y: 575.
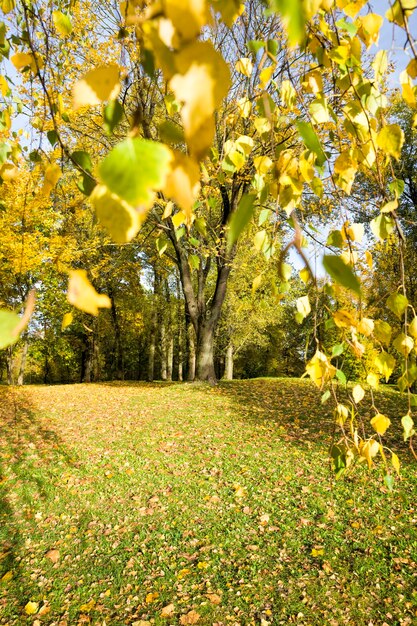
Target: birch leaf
x: 82, y: 294
x: 200, y: 64
x: 97, y: 86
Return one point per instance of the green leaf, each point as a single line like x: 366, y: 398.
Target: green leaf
x: 83, y: 159
x: 294, y: 18
x: 389, y: 481
x: 338, y: 349
x: 134, y: 169
x: 397, y: 303
x: 325, y: 397
x: 311, y: 141
x: 9, y: 321
x: 86, y: 184
x: 241, y: 218
x: 52, y: 137
x: 171, y: 133
x: 408, y: 425
x: 335, y: 239
x: 5, y: 150
x: 382, y: 226
x: 341, y: 273
x: 112, y: 115
x: 341, y: 377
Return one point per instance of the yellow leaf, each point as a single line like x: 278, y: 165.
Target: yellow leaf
x: 391, y: 139
x: 356, y: 232
x: 369, y: 259
x: 320, y: 369
x: 368, y: 28
x: 257, y: 281
x: 89, y: 606
x: 191, y: 618
x: 96, y: 86
x: 67, y: 320
x: 24, y: 59
x: 380, y: 423
x: 117, y: 216
x: 31, y: 608
x: 266, y: 75
x: 7, y: 577
x: 200, y: 64
x: 373, y: 380
x: 7, y: 6
x: 368, y: 450
x: 403, y: 343
x: 151, y: 597
x: 214, y: 598
x: 183, y: 182
x: 52, y: 175
x: 303, y: 306
x: 365, y: 326
x: 240, y: 491
x: 358, y: 393
x: 168, y: 611
x: 345, y: 168
x: 344, y: 319
x: 262, y: 164
x: 244, y: 66
x: 412, y: 68
x: 412, y: 328
x: 395, y: 463
x: 82, y: 294
x: 53, y: 555
x: 187, y: 16
x: 62, y: 23
x: 244, y: 107
x: 317, y: 552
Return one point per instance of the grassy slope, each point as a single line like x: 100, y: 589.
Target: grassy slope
x: 218, y: 501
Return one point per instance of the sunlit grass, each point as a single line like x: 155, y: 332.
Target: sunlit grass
x: 218, y: 501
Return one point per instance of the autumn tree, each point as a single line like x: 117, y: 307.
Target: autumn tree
x: 227, y: 109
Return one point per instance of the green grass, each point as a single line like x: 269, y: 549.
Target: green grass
x: 216, y: 500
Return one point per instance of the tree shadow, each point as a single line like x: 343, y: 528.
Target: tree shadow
x: 25, y: 445
x: 294, y: 407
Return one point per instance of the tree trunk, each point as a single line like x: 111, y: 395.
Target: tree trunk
x: 205, y: 355
x: 170, y: 356
x: 191, y: 351
x: 228, y: 368
x: 9, y: 365
x: 180, y: 372
x: 22, y: 367
x: 163, y: 351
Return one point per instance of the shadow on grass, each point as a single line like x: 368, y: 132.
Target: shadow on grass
x: 25, y: 445
x: 295, y: 406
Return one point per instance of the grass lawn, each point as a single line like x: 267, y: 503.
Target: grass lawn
x: 138, y: 504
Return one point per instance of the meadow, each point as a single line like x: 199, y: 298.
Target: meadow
x: 136, y: 504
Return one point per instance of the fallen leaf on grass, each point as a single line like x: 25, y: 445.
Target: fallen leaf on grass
x: 317, y: 552
x: 168, y: 610
x: 53, y: 555
x: 31, y: 608
x: 6, y: 577
x: 214, y: 598
x: 191, y: 618
x: 44, y: 610
x: 151, y: 597
x: 89, y: 606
